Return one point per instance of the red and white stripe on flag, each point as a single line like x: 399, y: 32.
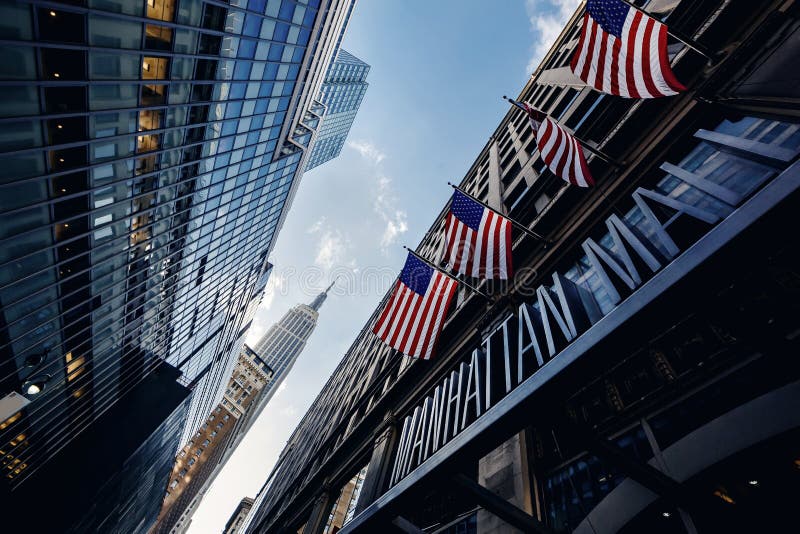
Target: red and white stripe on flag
x: 562, y: 153
x: 412, y: 321
x: 630, y: 59
x: 485, y: 253
x: 477, y: 239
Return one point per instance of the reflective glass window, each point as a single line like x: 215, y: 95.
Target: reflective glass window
x: 113, y: 66
x: 129, y: 7
x: 15, y: 21
x: 19, y: 63
x: 114, y: 33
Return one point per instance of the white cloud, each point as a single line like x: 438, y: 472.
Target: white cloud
x: 395, y: 220
x: 318, y: 225
x: 547, y: 18
x: 384, y: 201
x: 275, y: 285
x: 333, y: 246
x: 332, y: 249
x: 368, y: 151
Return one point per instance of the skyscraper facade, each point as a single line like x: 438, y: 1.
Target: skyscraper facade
x: 200, y: 460
x: 284, y: 341
x: 150, y: 150
x: 236, y: 520
x: 638, y: 374
x: 249, y: 389
x: 342, y: 92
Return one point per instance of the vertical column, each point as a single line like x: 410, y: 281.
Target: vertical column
x: 380, y: 467
x: 495, y: 199
x: 319, y: 513
x: 505, y: 472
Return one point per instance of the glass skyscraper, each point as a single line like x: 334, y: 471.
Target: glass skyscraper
x: 342, y: 93
x: 149, y: 150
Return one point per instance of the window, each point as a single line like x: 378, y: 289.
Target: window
x: 74, y: 366
x: 112, y: 96
x: 155, y: 68
x: 174, y: 484
x: 114, y: 33
x: 157, y: 37
x: 113, y: 66
x: 161, y: 10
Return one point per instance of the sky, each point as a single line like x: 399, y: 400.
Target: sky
x: 439, y: 69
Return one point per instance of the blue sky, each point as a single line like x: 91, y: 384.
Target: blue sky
x: 439, y: 69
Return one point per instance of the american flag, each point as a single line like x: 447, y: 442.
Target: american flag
x: 623, y: 52
x: 413, y: 317
x: 477, y: 239
x: 560, y: 151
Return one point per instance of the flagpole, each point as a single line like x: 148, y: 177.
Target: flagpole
x: 691, y: 43
x: 432, y: 266
x: 514, y: 223
x: 599, y: 154
x: 602, y: 155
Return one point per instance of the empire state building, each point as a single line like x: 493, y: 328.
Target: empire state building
x: 285, y: 340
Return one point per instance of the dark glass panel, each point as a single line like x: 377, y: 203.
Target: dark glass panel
x: 61, y: 26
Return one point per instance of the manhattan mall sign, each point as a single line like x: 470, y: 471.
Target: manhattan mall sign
x: 556, y: 316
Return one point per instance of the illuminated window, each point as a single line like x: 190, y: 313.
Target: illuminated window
x: 75, y: 367
x: 10, y: 420
x: 150, y: 119
x: 146, y: 143
x: 161, y: 10
x: 155, y: 68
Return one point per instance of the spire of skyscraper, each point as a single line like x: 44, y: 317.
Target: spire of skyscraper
x: 316, y: 304
x: 280, y: 346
